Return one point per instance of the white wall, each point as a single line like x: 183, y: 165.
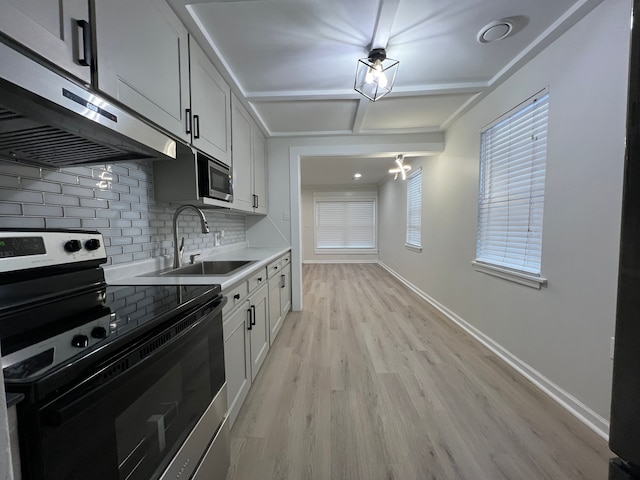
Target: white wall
x: 308, y: 228
x: 561, y: 332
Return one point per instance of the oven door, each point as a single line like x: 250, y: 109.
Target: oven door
x: 129, y: 417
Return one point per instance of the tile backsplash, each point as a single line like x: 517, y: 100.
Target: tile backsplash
x: 115, y: 199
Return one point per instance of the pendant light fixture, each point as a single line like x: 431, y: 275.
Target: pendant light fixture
x: 401, y: 168
x: 376, y: 74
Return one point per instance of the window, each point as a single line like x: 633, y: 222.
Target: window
x: 414, y: 211
x: 513, y: 154
x: 345, y: 223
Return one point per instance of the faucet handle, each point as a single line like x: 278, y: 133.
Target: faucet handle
x: 192, y: 258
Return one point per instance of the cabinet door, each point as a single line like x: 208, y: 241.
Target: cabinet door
x: 210, y: 106
x: 285, y: 291
x: 50, y: 29
x: 237, y: 359
x: 260, y: 329
x: 275, y: 316
x: 259, y: 170
x: 241, y: 140
x: 143, y: 60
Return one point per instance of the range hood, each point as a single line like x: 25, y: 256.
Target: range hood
x: 47, y: 119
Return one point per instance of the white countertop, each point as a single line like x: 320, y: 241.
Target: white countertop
x: 138, y: 273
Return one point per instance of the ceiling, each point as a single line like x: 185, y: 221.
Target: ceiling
x: 294, y: 61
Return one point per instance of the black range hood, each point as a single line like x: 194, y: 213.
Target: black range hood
x: 47, y: 119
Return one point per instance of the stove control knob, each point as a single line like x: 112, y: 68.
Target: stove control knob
x: 72, y: 246
x: 99, y: 332
x: 92, y: 244
x: 80, y: 341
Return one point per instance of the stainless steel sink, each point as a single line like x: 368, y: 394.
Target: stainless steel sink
x: 222, y: 267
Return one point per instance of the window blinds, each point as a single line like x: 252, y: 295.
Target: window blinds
x: 345, y: 224
x: 414, y: 209
x: 511, y: 192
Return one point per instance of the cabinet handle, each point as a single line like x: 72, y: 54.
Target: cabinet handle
x: 282, y: 281
x: 253, y: 314
x: 196, y: 126
x: 249, y: 318
x: 259, y: 279
x: 188, y: 120
x: 237, y: 296
x: 84, y: 46
x: 275, y: 267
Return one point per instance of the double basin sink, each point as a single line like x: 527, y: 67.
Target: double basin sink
x: 220, y: 267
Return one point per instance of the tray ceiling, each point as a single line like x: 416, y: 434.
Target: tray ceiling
x: 294, y: 61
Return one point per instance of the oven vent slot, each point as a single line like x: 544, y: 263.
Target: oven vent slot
x: 154, y: 344
x: 114, y: 370
x: 185, y: 324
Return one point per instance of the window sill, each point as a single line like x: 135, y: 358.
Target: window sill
x: 413, y: 248
x: 527, y: 279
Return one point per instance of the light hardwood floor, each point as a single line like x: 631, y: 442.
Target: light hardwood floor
x: 370, y: 382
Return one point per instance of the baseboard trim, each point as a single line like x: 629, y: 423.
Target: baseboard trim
x: 591, y: 419
x: 339, y: 261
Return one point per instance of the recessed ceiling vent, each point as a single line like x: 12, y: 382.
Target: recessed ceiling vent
x: 496, y: 30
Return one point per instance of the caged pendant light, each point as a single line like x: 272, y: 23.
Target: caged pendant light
x: 376, y: 74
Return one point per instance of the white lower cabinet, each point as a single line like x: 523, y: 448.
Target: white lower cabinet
x: 237, y: 361
x: 246, y: 337
x: 259, y: 331
x: 279, y: 272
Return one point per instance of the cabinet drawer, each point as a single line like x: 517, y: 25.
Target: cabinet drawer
x: 257, y: 279
x: 273, y: 268
x: 235, y: 296
x: 286, y: 258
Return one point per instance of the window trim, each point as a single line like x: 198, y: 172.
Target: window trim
x: 346, y: 197
x: 534, y: 280
x: 414, y: 247
x: 530, y: 280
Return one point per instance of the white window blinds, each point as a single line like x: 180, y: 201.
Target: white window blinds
x: 345, y: 223
x: 414, y: 209
x: 511, y: 192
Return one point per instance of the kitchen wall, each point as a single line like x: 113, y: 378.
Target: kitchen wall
x: 308, y: 229
x: 117, y: 200
x: 559, y: 335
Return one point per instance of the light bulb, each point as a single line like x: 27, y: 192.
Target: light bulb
x: 369, y: 76
x: 382, y: 80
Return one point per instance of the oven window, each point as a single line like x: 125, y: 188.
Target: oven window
x: 161, y: 418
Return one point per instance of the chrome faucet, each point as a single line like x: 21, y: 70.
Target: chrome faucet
x: 177, y: 250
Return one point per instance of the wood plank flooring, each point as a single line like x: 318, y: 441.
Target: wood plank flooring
x: 370, y: 382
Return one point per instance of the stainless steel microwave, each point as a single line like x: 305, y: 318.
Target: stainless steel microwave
x: 214, y: 179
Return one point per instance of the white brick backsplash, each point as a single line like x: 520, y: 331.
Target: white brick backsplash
x: 42, y: 211
x: 135, y: 226
x: 21, y: 222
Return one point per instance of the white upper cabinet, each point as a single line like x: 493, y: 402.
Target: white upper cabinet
x: 259, y: 150
x: 57, y: 30
x: 210, y: 107
x: 242, y: 168
x: 249, y: 161
x: 143, y: 60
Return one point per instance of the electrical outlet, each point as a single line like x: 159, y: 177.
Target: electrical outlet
x: 285, y: 216
x: 612, y: 347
